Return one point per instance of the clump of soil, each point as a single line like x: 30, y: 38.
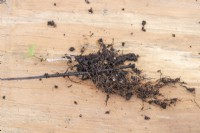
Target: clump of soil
x: 87, y: 1
x: 75, y: 102
x: 4, y: 97
x: 107, y: 112
x: 146, y: 117
x: 90, y: 10
x: 51, y: 23
x: 71, y: 49
x: 108, y: 72
x: 143, y: 25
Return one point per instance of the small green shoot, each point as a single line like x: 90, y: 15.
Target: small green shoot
x: 31, y: 51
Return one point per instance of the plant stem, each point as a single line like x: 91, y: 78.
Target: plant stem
x: 65, y: 74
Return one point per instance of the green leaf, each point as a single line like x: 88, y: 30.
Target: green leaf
x: 31, y: 51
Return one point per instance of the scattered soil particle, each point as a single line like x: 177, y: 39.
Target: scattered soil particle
x: 190, y: 46
x: 83, y: 50
x: 55, y: 86
x: 123, y: 44
x: 54, y: 4
x: 90, y: 10
x: 69, y: 86
x: 123, y: 9
x: 71, y: 49
x: 91, y: 34
x: 199, y: 53
x: 80, y: 115
x: 143, y: 29
x: 173, y: 35
x: 87, y: 1
x: 144, y: 23
x: 146, y: 117
x: 51, y: 23
x: 107, y: 112
x: 4, y: 97
x: 63, y: 34
x: 131, y: 33
x: 107, y: 97
x: 40, y: 79
x: 75, y: 102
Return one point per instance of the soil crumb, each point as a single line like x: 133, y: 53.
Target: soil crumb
x: 107, y: 112
x: 146, y: 117
x: 90, y: 10
x: 51, y: 23
x: 55, y: 86
x: 87, y: 1
x: 4, y: 97
x: 123, y: 44
x: 54, y: 4
x: 71, y: 49
x: 143, y: 25
x: 80, y: 115
x: 173, y: 35
x: 75, y: 102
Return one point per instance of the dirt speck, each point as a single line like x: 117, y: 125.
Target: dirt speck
x: 173, y: 35
x: 107, y: 112
x: 80, y: 115
x: 69, y: 86
x: 146, y: 117
x: 51, y: 23
x: 55, y: 86
x: 4, y: 97
x: 90, y: 10
x: 54, y: 4
x: 75, y: 102
x: 71, y: 49
x: 123, y: 44
x: 87, y: 1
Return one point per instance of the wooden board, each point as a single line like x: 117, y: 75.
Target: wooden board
x: 37, y: 107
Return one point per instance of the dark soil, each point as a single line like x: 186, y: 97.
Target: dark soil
x: 173, y: 35
x: 90, y: 10
x: 75, y: 102
x: 146, y: 117
x: 107, y: 112
x: 4, y: 97
x: 71, y: 49
x: 87, y: 1
x: 123, y: 9
x: 54, y: 4
x: 51, y: 23
x: 55, y: 86
x: 143, y: 25
x: 80, y: 115
x: 123, y: 44
x: 104, y: 69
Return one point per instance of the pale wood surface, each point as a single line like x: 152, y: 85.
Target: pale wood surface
x: 36, y: 107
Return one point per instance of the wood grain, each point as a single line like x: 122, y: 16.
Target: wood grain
x: 36, y: 106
